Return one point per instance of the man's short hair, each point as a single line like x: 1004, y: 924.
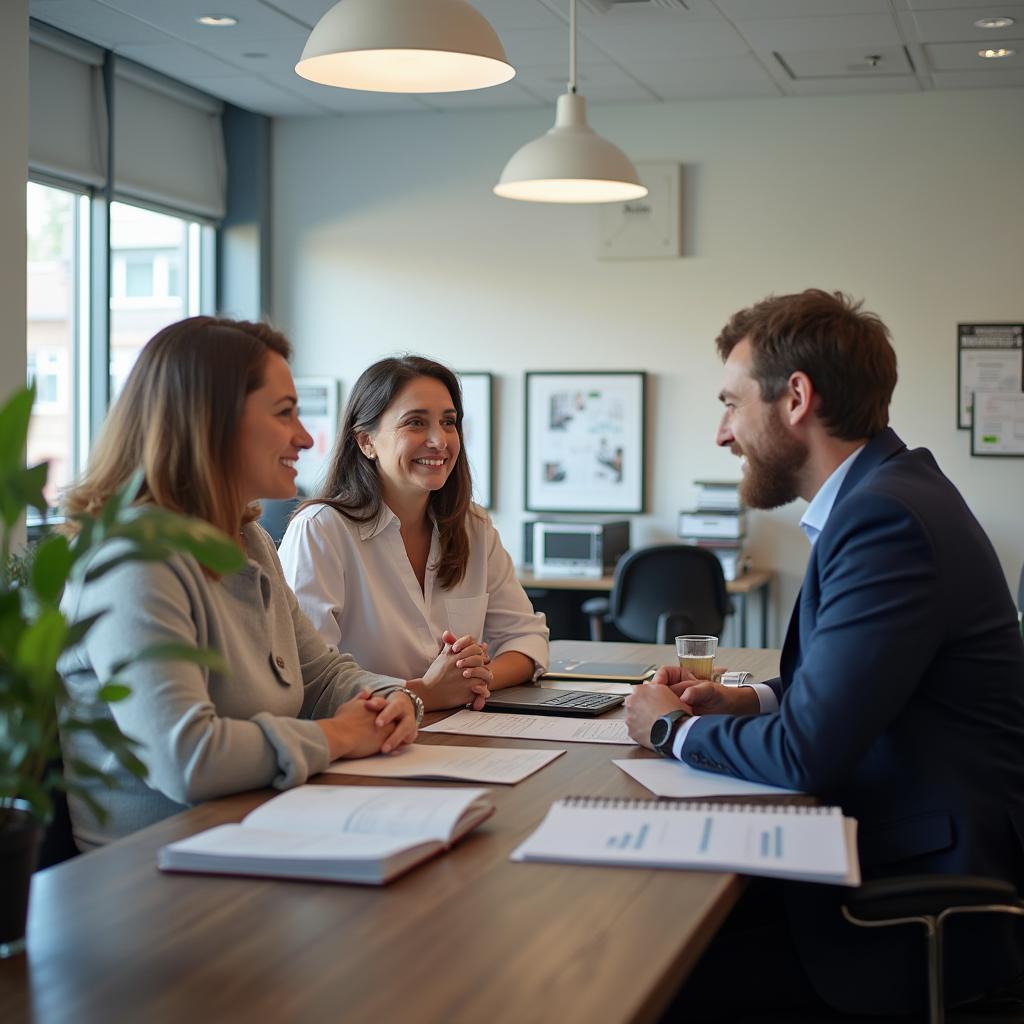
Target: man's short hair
x: 846, y: 353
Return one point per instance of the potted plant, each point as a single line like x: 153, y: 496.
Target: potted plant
x: 34, y: 633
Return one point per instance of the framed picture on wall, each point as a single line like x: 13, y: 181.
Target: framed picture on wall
x: 477, y: 432
x: 318, y: 410
x: 585, y: 444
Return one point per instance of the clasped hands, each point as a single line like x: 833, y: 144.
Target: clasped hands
x: 458, y: 675
x: 370, y: 724
x: 676, y: 689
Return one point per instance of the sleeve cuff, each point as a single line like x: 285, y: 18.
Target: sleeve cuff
x: 680, y: 737
x: 300, y: 749
x: 766, y: 698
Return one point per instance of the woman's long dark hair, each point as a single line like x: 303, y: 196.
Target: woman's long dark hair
x: 352, y: 486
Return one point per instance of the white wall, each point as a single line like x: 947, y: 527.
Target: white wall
x: 13, y: 174
x: 387, y: 238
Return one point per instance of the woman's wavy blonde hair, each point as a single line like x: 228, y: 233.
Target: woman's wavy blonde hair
x: 178, y: 420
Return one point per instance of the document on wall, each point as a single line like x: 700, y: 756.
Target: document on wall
x: 811, y: 844
x: 503, y: 765
x: 991, y: 358
x: 668, y: 777
x: 998, y: 426
x: 534, y: 727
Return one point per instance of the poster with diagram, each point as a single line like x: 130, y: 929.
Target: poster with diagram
x: 585, y: 443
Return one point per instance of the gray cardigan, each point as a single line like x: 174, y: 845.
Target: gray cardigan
x: 203, y: 734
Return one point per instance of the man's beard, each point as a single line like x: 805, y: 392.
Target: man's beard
x: 773, y: 468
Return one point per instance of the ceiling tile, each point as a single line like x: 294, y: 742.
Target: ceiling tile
x: 179, y: 60
x: 95, y: 22
x: 256, y: 20
x: 345, y: 100
x: 741, y: 10
x: 662, y: 35
x: 852, y: 63
x: 255, y: 94
x: 958, y: 26
x: 852, y: 86
x: 1009, y: 79
x: 964, y: 56
x: 501, y: 96
x: 707, y: 79
x: 835, y: 33
x: 527, y: 47
x: 604, y: 83
x: 515, y: 14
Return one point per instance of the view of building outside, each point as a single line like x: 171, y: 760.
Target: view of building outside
x: 149, y: 281
x: 155, y: 277
x: 51, y: 330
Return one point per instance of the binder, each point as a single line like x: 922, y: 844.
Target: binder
x: 795, y: 841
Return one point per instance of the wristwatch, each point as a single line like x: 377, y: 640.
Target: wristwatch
x: 663, y: 731
x: 417, y: 704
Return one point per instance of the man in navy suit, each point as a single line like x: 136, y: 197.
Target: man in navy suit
x: 901, y: 694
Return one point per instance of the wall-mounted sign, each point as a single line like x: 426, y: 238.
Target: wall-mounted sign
x: 998, y: 427
x: 990, y: 357
x: 318, y: 410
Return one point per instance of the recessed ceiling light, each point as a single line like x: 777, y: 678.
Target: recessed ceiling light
x: 1001, y: 52
x: 993, y: 23
x: 217, y: 20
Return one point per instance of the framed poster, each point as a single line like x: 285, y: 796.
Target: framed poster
x: 998, y: 424
x: 585, y: 445
x: 318, y: 410
x: 990, y: 357
x: 477, y: 432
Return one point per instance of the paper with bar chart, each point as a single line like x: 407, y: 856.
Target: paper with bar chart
x: 814, y: 844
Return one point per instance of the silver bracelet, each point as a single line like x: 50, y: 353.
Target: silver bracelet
x: 417, y: 703
x: 737, y: 678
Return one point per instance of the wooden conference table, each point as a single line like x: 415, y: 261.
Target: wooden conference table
x: 466, y: 937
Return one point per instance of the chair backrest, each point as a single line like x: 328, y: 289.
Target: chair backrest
x: 679, y: 580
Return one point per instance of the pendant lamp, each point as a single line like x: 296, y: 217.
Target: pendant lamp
x: 405, y: 46
x: 571, y: 163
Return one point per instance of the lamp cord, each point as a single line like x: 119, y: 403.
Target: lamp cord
x: 572, y: 46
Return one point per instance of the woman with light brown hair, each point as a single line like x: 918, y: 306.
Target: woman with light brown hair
x: 209, y: 414
x: 394, y: 560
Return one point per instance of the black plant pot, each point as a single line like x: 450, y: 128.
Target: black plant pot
x: 21, y: 833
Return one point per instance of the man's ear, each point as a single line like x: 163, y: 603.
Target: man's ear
x: 801, y: 399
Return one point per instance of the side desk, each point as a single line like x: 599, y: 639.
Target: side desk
x: 756, y: 581
x: 464, y: 938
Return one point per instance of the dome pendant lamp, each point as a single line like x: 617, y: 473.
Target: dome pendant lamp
x: 406, y: 46
x: 571, y: 163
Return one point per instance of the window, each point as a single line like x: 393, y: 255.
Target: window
x: 158, y: 266
x: 57, y: 223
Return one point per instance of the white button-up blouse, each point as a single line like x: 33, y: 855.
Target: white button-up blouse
x: 355, y: 583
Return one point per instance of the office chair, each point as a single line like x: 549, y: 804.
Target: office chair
x: 58, y: 839
x: 275, y: 515
x: 930, y: 900
x: 660, y: 592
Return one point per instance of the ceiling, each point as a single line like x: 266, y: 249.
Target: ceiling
x: 630, y: 51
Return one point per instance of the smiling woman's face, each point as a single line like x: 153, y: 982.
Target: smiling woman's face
x: 416, y: 443
x: 270, y: 436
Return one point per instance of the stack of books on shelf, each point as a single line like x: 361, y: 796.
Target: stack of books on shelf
x: 719, y: 523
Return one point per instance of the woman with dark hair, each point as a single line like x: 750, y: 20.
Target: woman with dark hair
x: 394, y: 562
x: 208, y: 413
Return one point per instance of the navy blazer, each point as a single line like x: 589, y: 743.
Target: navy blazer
x: 902, y: 701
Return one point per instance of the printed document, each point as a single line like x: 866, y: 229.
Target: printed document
x: 463, y: 764
x: 665, y: 777
x: 535, y: 727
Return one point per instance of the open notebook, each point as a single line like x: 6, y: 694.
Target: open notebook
x: 364, y: 834
x: 812, y: 844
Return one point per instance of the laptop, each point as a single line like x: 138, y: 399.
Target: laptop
x: 599, y: 671
x: 540, y: 700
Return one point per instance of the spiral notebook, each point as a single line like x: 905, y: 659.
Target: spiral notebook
x: 810, y: 844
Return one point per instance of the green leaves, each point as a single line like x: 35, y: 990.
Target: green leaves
x: 34, y: 632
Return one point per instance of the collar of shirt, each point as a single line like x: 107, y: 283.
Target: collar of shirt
x: 814, y: 519
x: 384, y: 519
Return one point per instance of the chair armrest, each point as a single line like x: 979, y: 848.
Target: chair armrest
x: 596, y: 606
x: 927, y: 895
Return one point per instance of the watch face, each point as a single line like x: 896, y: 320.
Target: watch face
x: 660, y: 731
